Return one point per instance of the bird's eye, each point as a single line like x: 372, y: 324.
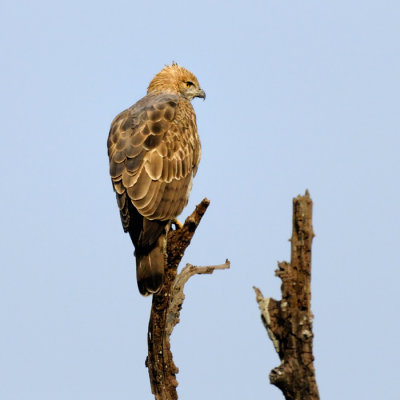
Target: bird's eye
x: 188, y: 84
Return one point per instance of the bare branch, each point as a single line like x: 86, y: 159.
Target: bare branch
x: 178, y: 296
x: 166, y: 307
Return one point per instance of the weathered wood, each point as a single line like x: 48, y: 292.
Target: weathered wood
x: 289, y: 321
x: 167, y: 304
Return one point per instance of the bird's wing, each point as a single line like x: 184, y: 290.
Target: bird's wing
x: 154, y: 151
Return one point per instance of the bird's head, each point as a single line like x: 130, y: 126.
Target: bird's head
x: 177, y: 80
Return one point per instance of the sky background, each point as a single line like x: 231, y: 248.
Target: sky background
x: 299, y: 95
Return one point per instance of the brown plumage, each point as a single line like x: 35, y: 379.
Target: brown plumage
x: 154, y: 151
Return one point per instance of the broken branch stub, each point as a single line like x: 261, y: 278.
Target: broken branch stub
x: 289, y: 321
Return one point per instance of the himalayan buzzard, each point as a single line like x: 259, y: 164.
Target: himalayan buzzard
x: 154, y: 152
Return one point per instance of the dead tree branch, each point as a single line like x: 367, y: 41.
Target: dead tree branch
x: 289, y: 321
x: 166, y: 307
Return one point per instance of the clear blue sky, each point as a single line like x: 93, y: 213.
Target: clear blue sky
x: 299, y: 95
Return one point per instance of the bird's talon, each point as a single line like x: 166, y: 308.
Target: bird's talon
x: 177, y: 223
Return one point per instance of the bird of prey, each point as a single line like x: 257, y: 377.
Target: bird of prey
x: 154, y: 152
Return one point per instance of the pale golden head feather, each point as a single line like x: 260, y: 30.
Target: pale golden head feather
x: 175, y: 79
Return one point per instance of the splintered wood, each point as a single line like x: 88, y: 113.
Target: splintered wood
x: 289, y: 321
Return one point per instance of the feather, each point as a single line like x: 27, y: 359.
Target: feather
x: 119, y: 156
x: 128, y: 180
x: 116, y: 169
x: 144, y: 205
x: 154, y: 165
x: 141, y: 187
x: 134, y: 151
x: 133, y: 164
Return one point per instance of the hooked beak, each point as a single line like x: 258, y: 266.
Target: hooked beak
x: 201, y: 93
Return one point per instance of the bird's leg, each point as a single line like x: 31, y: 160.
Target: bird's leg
x: 177, y: 223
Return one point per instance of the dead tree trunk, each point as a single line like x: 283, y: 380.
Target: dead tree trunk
x: 289, y: 321
x: 167, y: 304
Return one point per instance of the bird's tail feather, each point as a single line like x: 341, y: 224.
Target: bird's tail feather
x: 150, y: 268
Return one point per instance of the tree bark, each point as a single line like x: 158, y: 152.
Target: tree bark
x: 166, y: 307
x: 289, y: 321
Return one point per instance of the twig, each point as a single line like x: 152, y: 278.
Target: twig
x: 166, y: 306
x: 289, y: 321
x: 178, y: 296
